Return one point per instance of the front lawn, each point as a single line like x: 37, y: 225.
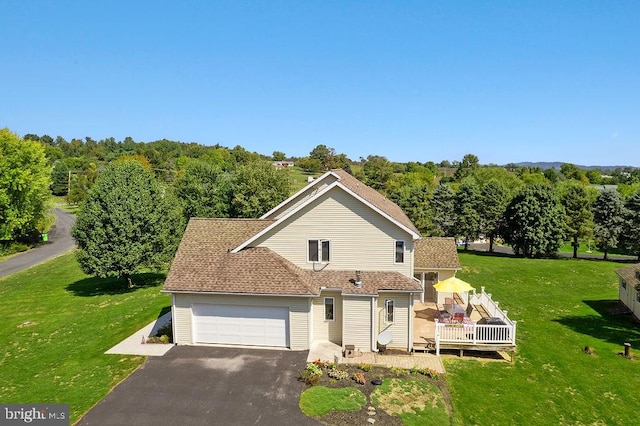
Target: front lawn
x: 56, y: 325
x: 320, y: 400
x: 562, y: 306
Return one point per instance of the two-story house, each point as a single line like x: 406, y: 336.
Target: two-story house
x: 335, y: 261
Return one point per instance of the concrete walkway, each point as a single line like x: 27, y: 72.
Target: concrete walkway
x: 133, y: 345
x: 330, y: 352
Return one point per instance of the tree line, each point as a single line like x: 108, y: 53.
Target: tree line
x: 531, y: 209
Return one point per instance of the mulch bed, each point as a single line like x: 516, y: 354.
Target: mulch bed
x: 348, y: 418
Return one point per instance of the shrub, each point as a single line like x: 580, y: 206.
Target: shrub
x: 309, y: 378
x: 338, y: 374
x: 425, y: 372
x: 167, y: 331
x: 365, y: 367
x: 319, y: 363
x: 161, y: 339
x: 311, y: 374
x: 358, y: 378
x: 398, y: 371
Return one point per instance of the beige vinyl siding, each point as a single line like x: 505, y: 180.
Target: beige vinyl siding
x: 302, y: 197
x: 298, y: 314
x: 360, y: 238
x: 402, y: 315
x: 356, y: 323
x: 430, y: 293
x: 328, y: 330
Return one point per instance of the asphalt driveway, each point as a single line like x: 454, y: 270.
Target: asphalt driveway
x: 193, y: 385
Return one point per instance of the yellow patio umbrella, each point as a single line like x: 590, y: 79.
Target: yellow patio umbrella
x: 453, y: 285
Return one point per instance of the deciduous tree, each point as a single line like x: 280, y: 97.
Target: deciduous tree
x: 129, y: 223
x: 258, y: 187
x: 25, y: 178
x: 204, y: 190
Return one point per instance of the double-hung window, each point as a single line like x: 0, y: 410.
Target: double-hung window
x: 388, y: 310
x: 399, y: 251
x: 319, y: 251
x: 328, y: 309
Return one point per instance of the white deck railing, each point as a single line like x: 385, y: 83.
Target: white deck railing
x: 478, y: 334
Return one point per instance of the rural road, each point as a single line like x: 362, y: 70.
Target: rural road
x: 60, y: 241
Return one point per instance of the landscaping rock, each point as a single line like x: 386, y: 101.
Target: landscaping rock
x: 371, y: 421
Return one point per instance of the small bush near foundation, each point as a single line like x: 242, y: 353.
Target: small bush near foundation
x: 338, y: 374
x: 365, y: 367
x: 311, y: 374
x: 358, y: 378
x: 398, y: 371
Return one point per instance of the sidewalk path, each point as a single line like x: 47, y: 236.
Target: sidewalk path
x: 133, y: 345
x: 60, y: 242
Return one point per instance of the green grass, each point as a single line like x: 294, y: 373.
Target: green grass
x: 56, y: 325
x: 319, y: 400
x: 61, y: 201
x: 561, y: 307
x: 416, y: 402
x: 299, y: 178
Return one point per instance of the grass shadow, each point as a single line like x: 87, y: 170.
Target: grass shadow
x: 613, y: 328
x: 90, y: 287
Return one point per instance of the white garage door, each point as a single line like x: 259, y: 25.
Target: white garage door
x: 240, y: 325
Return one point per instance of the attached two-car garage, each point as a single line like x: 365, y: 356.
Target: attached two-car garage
x: 240, y: 325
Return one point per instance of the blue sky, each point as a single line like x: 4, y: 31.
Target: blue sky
x: 508, y: 81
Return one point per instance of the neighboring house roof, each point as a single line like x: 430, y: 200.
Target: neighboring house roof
x: 436, y: 253
x: 204, y: 263
x: 375, y: 198
x: 630, y: 275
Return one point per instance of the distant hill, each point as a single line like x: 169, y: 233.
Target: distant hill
x: 556, y: 165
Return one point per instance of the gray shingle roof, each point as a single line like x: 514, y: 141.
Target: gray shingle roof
x: 437, y: 253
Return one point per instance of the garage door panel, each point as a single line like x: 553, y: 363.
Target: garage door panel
x: 244, y: 325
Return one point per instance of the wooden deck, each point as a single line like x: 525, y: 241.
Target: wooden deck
x: 424, y: 331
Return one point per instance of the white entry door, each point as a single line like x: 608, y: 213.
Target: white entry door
x: 240, y: 325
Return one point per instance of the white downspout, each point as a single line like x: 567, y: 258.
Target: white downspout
x: 410, y: 340
x: 173, y: 318
x: 374, y: 340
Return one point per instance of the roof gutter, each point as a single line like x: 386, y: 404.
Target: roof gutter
x: 236, y: 294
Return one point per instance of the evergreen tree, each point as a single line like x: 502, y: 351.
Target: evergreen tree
x: 631, y: 235
x: 467, y: 212
x: 534, y: 222
x: 443, y: 215
x: 608, y: 216
x: 493, y: 204
x: 578, y: 217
